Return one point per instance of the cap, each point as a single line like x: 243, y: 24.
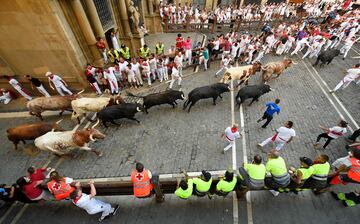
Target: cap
x: 48, y: 74
x: 307, y: 161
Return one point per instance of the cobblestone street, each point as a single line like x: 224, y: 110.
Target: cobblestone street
x: 168, y: 140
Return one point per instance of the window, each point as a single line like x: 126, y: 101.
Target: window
x: 103, y: 9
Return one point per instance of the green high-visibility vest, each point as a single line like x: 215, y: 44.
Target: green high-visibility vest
x: 276, y: 166
x: 113, y: 55
x: 201, y: 185
x: 225, y: 186
x: 255, y: 171
x: 321, y: 171
x: 184, y: 194
x: 306, y: 173
x: 144, y: 53
x: 125, y: 53
x: 159, y: 48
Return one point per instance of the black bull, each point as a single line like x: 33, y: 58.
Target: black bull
x: 166, y: 97
x: 327, y: 56
x: 112, y: 113
x: 253, y: 91
x: 213, y: 91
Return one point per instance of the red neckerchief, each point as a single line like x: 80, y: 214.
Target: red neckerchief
x: 76, y: 199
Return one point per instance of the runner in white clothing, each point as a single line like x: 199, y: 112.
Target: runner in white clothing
x: 59, y: 84
x: 283, y: 135
x: 18, y: 87
x: 90, y: 204
x: 225, y: 64
x: 109, y: 74
x: 331, y: 133
x: 352, y: 74
x: 230, y: 135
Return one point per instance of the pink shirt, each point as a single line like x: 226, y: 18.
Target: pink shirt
x: 187, y: 44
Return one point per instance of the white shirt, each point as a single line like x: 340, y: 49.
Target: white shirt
x: 230, y: 135
x: 353, y: 73
x: 336, y: 132
x: 56, y: 80
x: 110, y: 75
x: 90, y: 205
x: 123, y: 66
x: 178, y: 60
x: 284, y: 133
x: 13, y: 82
x: 135, y: 67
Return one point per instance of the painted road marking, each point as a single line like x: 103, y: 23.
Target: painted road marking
x: 248, y: 194
x: 326, y: 93
x: 234, y: 165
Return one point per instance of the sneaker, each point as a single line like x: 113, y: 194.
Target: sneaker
x: 259, y: 120
x: 331, y: 91
x: 275, y: 193
x: 259, y: 145
x: 103, y: 217
x: 115, y: 210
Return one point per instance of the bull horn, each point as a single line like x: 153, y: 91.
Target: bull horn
x: 138, y: 109
x: 80, y: 92
x: 272, y: 89
x: 96, y: 124
x: 91, y: 138
x: 118, y: 94
x: 183, y: 96
x: 117, y: 102
x: 58, y: 122
x: 295, y: 63
x: 139, y: 101
x: 180, y: 89
x: 107, y: 91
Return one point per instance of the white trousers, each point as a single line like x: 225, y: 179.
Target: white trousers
x: 166, y: 73
x: 231, y: 143
x: 327, y: 44
x: 61, y: 89
x: 203, y: 60
x: 345, y: 50
x: 278, y: 142
x: 114, y: 86
x: 43, y: 91
x: 138, y: 78
x: 173, y: 78
x: 297, y: 49
x: 343, y: 83
x: 104, y: 208
x: 95, y: 85
x: 188, y: 54
x: 160, y: 72
x: 21, y: 91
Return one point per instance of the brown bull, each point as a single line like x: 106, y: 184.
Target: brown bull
x: 242, y: 73
x: 53, y: 103
x: 31, y: 131
x: 276, y: 68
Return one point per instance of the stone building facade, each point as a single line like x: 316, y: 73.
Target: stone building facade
x: 37, y: 36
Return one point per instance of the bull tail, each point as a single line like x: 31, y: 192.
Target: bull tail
x: 133, y: 95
